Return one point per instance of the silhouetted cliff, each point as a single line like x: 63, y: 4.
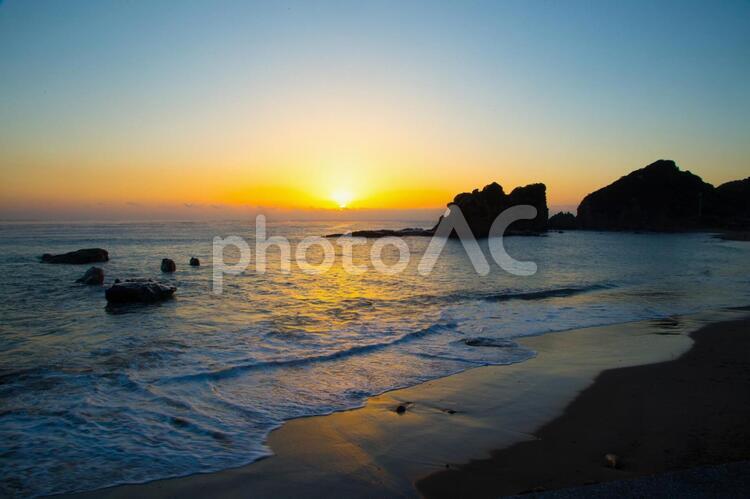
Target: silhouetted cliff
x: 481, y: 208
x: 658, y: 197
x: 734, y: 207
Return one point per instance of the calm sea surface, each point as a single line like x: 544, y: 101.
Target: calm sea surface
x: 91, y: 397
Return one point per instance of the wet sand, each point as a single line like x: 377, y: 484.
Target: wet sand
x: 674, y: 415
x: 376, y: 452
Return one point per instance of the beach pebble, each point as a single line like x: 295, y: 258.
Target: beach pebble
x: 612, y: 460
x: 168, y: 265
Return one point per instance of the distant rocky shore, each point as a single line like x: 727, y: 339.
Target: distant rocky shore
x: 659, y: 197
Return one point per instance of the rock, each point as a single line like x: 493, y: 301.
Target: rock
x: 194, y: 262
x: 733, y: 236
x: 734, y: 204
x: 481, y: 208
x: 387, y: 233
x: 401, y: 409
x: 659, y: 197
x: 78, y: 257
x: 562, y: 221
x: 612, y: 460
x: 94, y: 276
x: 139, y: 291
x: 168, y: 265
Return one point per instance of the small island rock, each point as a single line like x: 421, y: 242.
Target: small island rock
x: 562, y: 221
x: 78, y: 257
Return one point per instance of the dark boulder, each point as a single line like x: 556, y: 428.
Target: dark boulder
x: 94, y: 276
x: 139, y: 291
x: 659, y: 197
x: 194, y: 262
x: 562, y: 221
x: 78, y: 257
x: 168, y: 265
x: 481, y: 208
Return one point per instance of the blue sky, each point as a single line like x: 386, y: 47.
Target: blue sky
x: 571, y: 93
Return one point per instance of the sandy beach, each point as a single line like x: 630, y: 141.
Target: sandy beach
x: 662, y: 395
x: 688, y: 412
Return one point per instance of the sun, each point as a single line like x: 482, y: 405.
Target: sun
x: 342, y: 198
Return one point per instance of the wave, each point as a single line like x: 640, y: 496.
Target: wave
x: 541, y: 294
x: 236, y: 370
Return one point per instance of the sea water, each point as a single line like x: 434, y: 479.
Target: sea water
x: 92, y: 396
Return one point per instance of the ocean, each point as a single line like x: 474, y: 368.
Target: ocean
x: 92, y: 396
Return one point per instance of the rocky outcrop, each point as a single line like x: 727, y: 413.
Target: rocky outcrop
x: 139, y: 291
x: 78, y: 257
x: 562, y: 221
x: 734, y: 204
x: 194, y: 262
x: 168, y: 265
x: 658, y: 197
x: 94, y: 276
x: 481, y: 208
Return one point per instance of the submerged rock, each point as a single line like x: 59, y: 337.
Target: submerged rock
x: 194, y: 262
x: 139, y: 291
x: 94, y: 276
x: 78, y: 257
x: 168, y: 265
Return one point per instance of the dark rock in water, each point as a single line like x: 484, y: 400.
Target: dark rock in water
x: 659, y: 197
x: 562, y: 221
x: 168, y: 265
x: 78, y: 257
x: 401, y: 409
x: 734, y: 236
x: 481, y: 208
x: 139, y: 291
x: 489, y: 342
x: 194, y: 262
x: 93, y: 277
x: 387, y: 233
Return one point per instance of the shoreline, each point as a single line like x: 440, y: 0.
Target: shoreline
x: 373, y: 451
x: 670, y: 416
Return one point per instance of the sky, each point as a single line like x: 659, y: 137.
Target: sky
x: 182, y: 109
